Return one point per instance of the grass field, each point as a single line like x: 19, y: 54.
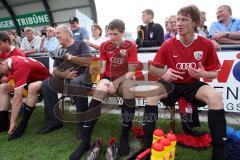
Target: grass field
x: 60, y: 144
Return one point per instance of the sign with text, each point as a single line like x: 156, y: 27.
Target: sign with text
x: 25, y: 20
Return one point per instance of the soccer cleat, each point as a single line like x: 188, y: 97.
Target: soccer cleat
x: 94, y: 150
x: 112, y: 150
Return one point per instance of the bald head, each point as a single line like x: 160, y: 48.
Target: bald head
x: 228, y: 8
x: 64, y: 28
x: 64, y: 35
x: 224, y: 13
x: 50, y: 32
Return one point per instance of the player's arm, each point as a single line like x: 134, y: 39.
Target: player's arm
x: 67, y: 74
x: 81, y: 61
x: 157, y: 71
x: 130, y: 74
x: 103, y: 67
x: 202, y: 73
x: 210, y: 74
x: 16, y: 103
x: 168, y: 74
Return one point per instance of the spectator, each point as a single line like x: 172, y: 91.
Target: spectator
x: 106, y: 32
x: 30, y: 43
x: 128, y: 36
x: 79, y: 33
x: 227, y: 29
x: 50, y: 43
x: 25, y: 72
x: 15, y: 40
x: 172, y: 22
x: 202, y: 29
x: 167, y: 28
x: 44, y: 32
x: 74, y: 76
x: 97, y: 39
x: 153, y: 32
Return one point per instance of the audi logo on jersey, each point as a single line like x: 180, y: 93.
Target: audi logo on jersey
x: 117, y: 60
x: 185, y: 66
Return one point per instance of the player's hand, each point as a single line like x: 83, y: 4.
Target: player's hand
x: 70, y: 73
x: 218, y: 35
x: 4, y: 79
x: 111, y: 88
x: 13, y: 126
x: 172, y: 75
x: 197, y: 73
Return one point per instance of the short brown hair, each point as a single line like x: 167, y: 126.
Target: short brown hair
x: 95, y: 25
x: 4, y: 37
x: 148, y: 12
x: 117, y: 24
x: 191, y: 11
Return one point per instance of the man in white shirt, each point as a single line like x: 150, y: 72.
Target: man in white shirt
x: 30, y: 43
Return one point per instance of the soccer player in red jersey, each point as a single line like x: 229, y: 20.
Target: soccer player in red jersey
x: 25, y: 72
x: 119, y: 59
x: 190, y: 57
x: 7, y: 50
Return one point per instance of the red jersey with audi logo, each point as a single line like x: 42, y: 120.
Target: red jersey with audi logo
x: 178, y: 56
x: 26, y: 70
x: 118, y: 58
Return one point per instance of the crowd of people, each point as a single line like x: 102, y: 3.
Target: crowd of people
x: 186, y: 39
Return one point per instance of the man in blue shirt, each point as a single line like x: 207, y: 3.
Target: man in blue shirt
x: 79, y: 33
x: 227, y: 29
x: 50, y: 43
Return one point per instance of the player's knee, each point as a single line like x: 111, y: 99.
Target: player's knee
x: 215, y: 97
x: 128, y: 83
x: 33, y: 88
x: 215, y: 100
x: 5, y: 88
x: 152, y: 101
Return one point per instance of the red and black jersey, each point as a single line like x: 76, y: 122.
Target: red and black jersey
x: 26, y: 70
x: 179, y: 57
x: 118, y: 58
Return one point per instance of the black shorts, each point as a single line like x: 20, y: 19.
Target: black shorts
x: 188, y: 91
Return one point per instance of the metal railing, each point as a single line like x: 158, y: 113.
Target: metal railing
x: 225, y: 47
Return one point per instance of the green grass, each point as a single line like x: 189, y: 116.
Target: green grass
x: 60, y: 144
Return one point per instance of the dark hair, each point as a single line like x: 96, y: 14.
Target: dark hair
x: 148, y: 12
x: 117, y: 24
x: 191, y: 11
x: 95, y: 25
x: 4, y: 37
x: 73, y: 20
